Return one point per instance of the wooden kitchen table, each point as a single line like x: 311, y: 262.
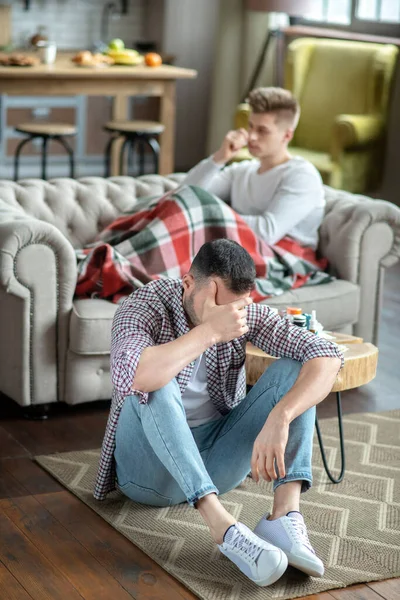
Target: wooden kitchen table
x: 64, y: 78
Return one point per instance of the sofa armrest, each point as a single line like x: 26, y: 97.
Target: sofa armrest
x: 360, y: 237
x: 37, y: 282
x: 355, y: 130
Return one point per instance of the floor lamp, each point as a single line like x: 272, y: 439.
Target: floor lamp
x: 293, y: 8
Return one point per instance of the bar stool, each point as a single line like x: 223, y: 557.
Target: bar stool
x: 45, y: 131
x: 137, y: 134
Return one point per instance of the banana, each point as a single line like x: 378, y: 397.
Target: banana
x: 127, y: 51
x: 127, y: 56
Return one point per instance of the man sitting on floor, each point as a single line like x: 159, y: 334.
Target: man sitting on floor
x: 277, y: 194
x: 181, y: 427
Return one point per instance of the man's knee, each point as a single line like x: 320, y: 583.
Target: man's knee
x: 170, y: 390
x: 285, y: 371
x: 285, y: 366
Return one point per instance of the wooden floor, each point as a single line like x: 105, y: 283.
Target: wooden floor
x: 53, y: 547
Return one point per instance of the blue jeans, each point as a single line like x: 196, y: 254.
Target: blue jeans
x: 161, y: 461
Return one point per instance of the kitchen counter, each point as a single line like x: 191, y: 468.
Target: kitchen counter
x: 119, y: 81
x: 64, y: 67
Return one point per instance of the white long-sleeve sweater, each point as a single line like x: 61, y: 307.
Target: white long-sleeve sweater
x: 285, y: 200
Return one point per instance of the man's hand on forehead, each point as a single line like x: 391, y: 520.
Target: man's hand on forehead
x: 226, y: 321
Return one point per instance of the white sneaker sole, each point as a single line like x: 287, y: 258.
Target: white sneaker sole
x: 306, y: 565
x: 277, y: 574
x: 279, y: 571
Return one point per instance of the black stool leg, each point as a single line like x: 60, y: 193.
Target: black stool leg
x: 17, y: 154
x: 131, y: 152
x: 107, y: 156
x: 44, y: 156
x: 341, y: 438
x: 155, y: 149
x: 141, y: 143
x: 70, y: 152
x: 121, y: 156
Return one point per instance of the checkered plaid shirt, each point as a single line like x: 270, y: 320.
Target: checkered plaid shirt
x: 154, y: 315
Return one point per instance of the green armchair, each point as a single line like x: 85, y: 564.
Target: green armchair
x: 343, y: 88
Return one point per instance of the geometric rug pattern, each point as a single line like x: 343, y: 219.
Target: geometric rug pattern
x: 354, y: 526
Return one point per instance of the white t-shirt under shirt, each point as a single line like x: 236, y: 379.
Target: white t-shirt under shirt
x: 285, y: 200
x: 198, y: 407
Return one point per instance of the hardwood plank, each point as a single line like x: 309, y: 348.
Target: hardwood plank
x: 355, y: 592
x: 322, y: 596
x: 9, y: 446
x: 72, y: 429
x: 389, y: 589
x: 31, y: 476
x: 11, y: 586
x: 62, y: 549
x: 9, y: 486
x: 31, y: 569
x: 138, y: 573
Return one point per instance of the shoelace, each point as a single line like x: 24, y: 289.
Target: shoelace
x: 301, y: 533
x: 245, y: 543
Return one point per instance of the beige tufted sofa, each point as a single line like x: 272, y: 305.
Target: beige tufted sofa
x: 56, y: 349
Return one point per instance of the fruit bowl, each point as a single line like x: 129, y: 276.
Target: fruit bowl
x: 123, y: 56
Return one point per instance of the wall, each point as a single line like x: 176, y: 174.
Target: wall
x: 240, y: 37
x: 74, y: 24
x: 189, y: 33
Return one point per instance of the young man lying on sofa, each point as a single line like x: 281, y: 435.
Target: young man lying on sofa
x: 181, y: 427
x: 277, y: 194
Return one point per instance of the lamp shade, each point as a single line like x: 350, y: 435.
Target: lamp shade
x: 293, y: 8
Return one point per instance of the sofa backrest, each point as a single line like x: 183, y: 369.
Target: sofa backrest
x: 79, y: 208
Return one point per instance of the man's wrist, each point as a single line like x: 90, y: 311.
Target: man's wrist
x: 219, y: 158
x: 209, y: 337
x: 282, y: 413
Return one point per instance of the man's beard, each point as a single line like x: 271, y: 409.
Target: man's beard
x: 188, y: 305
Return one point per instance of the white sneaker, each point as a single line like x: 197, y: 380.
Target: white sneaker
x: 289, y: 533
x: 259, y: 560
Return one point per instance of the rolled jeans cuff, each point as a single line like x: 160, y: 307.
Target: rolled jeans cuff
x: 210, y: 489
x: 303, y: 476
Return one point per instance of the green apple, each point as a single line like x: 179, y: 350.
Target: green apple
x: 116, y: 44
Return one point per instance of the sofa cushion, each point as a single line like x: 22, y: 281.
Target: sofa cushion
x: 90, y: 326
x: 337, y: 303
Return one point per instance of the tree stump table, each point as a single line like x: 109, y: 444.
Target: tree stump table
x: 360, y: 363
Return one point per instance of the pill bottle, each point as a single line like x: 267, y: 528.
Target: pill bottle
x: 291, y: 311
x: 300, y: 321
x: 313, y: 322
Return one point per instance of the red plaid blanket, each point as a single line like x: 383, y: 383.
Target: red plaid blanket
x: 160, y: 238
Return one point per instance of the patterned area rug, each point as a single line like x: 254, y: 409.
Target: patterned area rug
x: 354, y: 526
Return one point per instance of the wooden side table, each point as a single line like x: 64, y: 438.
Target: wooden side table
x: 360, y: 363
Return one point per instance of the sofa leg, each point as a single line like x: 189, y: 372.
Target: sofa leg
x: 38, y: 412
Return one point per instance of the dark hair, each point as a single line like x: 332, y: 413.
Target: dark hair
x: 228, y: 260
